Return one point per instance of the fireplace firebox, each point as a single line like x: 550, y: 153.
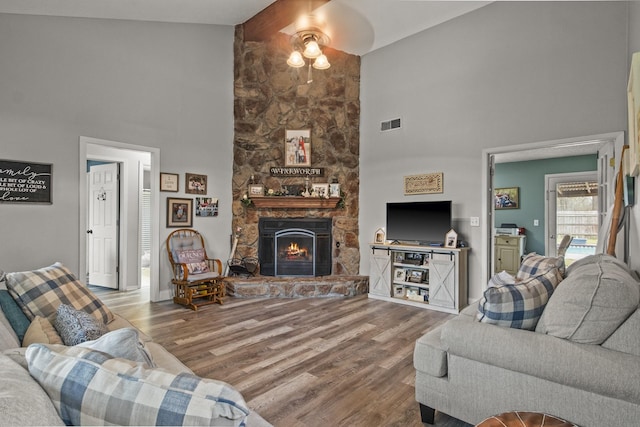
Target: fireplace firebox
x: 294, y: 246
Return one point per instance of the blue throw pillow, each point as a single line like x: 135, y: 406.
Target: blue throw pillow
x: 18, y: 320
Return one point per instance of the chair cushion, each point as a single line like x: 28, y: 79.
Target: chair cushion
x: 518, y: 305
x: 194, y: 259
x: 591, y: 303
x: 40, y: 293
x: 89, y: 387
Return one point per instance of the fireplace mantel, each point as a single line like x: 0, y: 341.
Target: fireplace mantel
x: 293, y: 202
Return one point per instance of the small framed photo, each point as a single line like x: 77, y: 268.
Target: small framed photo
x: 451, y: 239
x: 416, y: 276
x: 169, y: 182
x: 320, y: 190
x: 256, y: 190
x: 196, y: 184
x: 400, y: 274
x: 179, y: 212
x: 334, y: 189
x: 206, y: 206
x: 380, y: 236
x: 506, y: 198
x: 297, y: 149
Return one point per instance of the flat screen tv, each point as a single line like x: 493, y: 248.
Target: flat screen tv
x: 424, y: 223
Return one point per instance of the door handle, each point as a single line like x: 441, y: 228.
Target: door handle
x: 89, y: 231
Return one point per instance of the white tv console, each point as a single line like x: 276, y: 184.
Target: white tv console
x: 422, y: 276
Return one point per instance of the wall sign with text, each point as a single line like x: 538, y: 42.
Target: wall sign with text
x: 25, y: 182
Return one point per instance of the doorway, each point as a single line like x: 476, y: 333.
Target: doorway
x: 604, y: 145
x: 134, y: 159
x: 572, y: 209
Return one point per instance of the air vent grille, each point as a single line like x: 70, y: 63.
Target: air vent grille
x: 390, y: 125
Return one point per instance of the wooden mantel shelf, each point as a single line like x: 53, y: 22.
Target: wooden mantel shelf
x: 295, y: 202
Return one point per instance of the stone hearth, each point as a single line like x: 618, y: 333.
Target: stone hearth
x: 297, y: 287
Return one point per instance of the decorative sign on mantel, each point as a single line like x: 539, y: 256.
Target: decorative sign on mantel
x: 25, y: 182
x: 296, y: 171
x: 429, y: 183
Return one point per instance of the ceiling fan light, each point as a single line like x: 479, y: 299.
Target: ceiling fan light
x: 295, y: 59
x: 321, y: 63
x: 312, y: 50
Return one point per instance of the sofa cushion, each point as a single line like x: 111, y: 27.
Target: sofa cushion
x: 77, y: 326
x: 16, y: 318
x: 41, y: 331
x: 89, y: 387
x: 40, y: 292
x: 533, y: 265
x: 22, y: 400
x: 627, y: 337
x: 591, y: 303
x: 124, y: 344
x: 597, y: 259
x: 518, y: 305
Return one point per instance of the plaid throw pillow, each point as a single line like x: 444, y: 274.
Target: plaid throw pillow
x: 521, y: 305
x: 534, y: 265
x: 89, y: 387
x: 40, y: 293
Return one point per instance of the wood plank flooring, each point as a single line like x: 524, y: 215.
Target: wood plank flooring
x: 298, y: 362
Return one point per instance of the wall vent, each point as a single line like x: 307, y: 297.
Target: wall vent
x: 390, y: 125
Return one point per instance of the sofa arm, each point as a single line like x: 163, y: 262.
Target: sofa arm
x: 584, y: 366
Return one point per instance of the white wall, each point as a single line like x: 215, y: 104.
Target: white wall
x: 168, y: 86
x: 505, y: 74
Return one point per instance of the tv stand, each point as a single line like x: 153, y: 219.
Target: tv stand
x: 432, y: 277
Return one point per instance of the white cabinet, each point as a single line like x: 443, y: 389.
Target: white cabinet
x: 508, y: 252
x: 379, y: 273
x: 421, y: 276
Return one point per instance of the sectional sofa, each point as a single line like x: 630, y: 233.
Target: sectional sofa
x: 65, y: 358
x: 564, y: 344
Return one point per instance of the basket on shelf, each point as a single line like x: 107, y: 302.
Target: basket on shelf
x: 247, y: 266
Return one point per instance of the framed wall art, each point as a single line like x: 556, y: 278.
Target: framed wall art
x: 206, y: 206
x: 297, y: 148
x: 428, y: 183
x: 179, y: 212
x: 25, y: 182
x: 169, y: 182
x: 633, y: 99
x: 506, y: 198
x: 196, y: 184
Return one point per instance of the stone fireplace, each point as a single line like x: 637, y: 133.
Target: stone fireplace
x: 294, y: 246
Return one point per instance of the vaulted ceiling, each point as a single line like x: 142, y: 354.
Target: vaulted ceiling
x: 356, y: 26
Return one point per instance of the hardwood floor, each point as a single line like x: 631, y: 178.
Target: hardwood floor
x: 298, y: 362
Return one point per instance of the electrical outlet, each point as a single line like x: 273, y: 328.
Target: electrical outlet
x: 536, y: 223
x: 475, y: 221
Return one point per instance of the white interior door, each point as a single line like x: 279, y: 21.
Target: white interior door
x: 102, y: 224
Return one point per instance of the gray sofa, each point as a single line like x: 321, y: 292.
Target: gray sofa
x: 580, y: 363
x: 32, y: 361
